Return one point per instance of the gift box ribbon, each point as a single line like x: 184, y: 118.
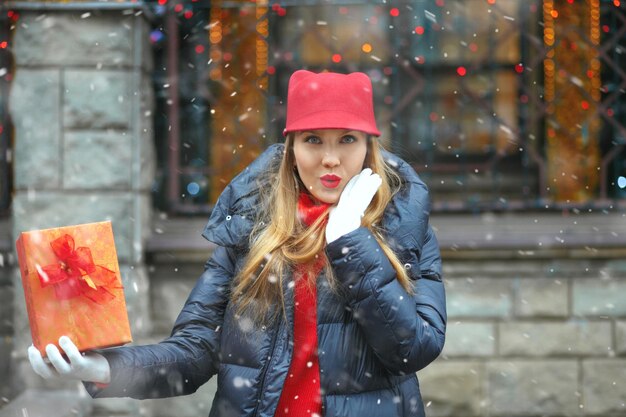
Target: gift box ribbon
x: 75, y: 274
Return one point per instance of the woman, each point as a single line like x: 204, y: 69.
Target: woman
x: 324, y: 293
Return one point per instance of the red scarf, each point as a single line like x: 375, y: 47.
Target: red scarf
x: 301, y: 396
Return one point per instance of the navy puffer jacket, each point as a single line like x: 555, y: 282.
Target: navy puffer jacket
x: 372, y: 337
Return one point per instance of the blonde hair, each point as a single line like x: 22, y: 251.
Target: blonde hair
x: 280, y: 242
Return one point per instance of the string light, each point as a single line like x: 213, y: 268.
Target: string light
x: 215, y: 38
x: 572, y: 58
x: 261, y: 49
x: 595, y: 36
x: 548, y: 63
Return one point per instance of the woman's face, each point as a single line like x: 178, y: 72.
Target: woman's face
x: 327, y: 159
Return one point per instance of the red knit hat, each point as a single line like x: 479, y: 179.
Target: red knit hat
x: 330, y: 101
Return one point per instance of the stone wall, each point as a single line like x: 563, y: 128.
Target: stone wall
x: 6, y: 320
x: 532, y: 338
x: 82, y: 105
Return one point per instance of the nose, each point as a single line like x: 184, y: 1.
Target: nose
x: 330, y: 159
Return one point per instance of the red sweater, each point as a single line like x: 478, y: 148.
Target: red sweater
x: 301, y: 396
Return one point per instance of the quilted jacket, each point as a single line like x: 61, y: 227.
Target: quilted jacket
x: 372, y: 336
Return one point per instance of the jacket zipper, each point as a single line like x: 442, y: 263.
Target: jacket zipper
x: 265, y: 369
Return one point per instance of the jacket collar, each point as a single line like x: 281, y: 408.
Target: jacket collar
x: 230, y: 224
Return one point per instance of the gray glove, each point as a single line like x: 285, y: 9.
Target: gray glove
x: 354, y: 200
x: 89, y: 366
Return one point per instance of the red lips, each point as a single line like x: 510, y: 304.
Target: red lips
x: 330, y: 180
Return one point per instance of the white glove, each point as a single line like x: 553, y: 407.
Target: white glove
x: 346, y: 215
x: 91, y: 366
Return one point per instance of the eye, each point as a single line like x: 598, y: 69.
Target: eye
x: 348, y: 139
x: 312, y: 139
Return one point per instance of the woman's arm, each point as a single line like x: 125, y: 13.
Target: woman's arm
x: 180, y: 364
x: 406, y: 332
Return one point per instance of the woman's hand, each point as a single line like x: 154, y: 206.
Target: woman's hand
x: 91, y: 367
x: 354, y: 200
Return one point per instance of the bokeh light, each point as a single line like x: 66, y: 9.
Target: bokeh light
x: 193, y: 188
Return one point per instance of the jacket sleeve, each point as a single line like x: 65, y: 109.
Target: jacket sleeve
x: 180, y: 364
x: 405, y: 332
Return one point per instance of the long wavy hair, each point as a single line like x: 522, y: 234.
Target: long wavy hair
x: 279, y: 240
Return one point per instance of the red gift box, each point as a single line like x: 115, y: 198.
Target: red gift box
x: 72, y: 285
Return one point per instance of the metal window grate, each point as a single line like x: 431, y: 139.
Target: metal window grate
x: 478, y: 95
x: 460, y: 89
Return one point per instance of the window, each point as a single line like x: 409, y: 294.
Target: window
x: 498, y: 104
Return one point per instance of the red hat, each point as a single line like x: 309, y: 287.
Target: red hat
x: 330, y: 100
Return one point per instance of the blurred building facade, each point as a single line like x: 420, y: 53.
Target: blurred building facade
x: 513, y: 112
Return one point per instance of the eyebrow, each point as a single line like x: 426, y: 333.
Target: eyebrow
x: 316, y: 132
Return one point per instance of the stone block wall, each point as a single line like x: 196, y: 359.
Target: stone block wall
x: 82, y: 106
x: 81, y: 103
x: 531, y: 338
x: 6, y: 322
